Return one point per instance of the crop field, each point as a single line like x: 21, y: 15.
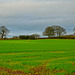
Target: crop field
x: 37, y: 57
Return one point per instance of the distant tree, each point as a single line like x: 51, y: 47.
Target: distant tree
x: 3, y: 31
x: 24, y: 37
x: 49, y: 31
x: 32, y: 37
x: 36, y: 35
x: 74, y: 31
x: 15, y: 37
x: 59, y: 31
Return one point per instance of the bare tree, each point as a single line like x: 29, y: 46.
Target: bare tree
x: 49, y: 31
x: 74, y: 31
x: 59, y: 31
x: 36, y: 35
x: 3, y: 31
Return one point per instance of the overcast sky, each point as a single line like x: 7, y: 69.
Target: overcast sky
x: 33, y: 16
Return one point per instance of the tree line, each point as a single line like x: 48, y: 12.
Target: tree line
x: 55, y: 31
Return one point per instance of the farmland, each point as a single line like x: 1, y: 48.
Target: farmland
x: 57, y: 56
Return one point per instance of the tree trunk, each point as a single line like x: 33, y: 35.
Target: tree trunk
x: 2, y: 36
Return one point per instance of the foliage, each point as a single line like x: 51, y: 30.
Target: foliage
x: 3, y: 31
x: 33, y: 36
x: 49, y: 31
x: 24, y: 37
x: 59, y: 31
x: 52, y: 31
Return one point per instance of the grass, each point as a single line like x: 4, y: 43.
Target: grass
x: 57, y: 55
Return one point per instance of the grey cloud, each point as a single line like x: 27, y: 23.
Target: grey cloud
x: 29, y: 16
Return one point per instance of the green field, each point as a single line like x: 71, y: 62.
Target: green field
x: 57, y: 56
